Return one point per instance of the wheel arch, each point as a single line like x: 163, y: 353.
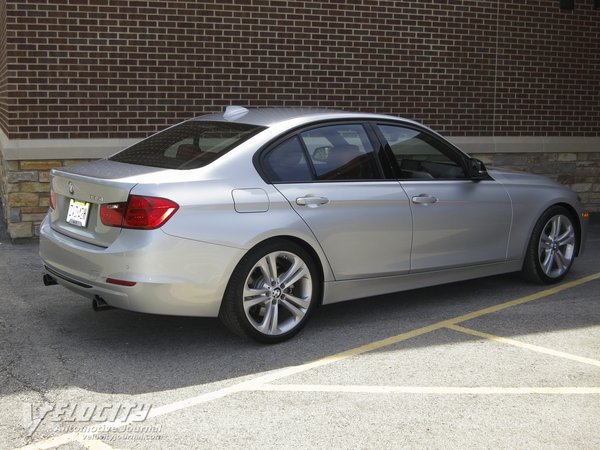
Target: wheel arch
x: 535, y: 216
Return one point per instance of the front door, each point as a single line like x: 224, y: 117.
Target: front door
x: 456, y: 221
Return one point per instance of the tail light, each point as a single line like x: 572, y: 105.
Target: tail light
x: 52, y: 198
x: 138, y: 212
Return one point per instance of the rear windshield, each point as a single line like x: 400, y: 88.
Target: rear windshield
x: 189, y: 145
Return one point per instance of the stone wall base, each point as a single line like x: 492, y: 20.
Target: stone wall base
x: 25, y: 194
x: 25, y: 185
x: 580, y: 171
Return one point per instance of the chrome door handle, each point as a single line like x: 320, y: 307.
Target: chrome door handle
x: 312, y: 201
x: 424, y: 199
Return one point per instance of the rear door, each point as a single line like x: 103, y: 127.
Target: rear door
x: 456, y: 221
x: 331, y: 177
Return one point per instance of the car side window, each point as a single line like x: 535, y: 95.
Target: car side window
x: 287, y: 163
x: 418, y: 157
x: 341, y: 152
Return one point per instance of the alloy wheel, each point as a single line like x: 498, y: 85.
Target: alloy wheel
x: 277, y: 293
x: 556, y: 246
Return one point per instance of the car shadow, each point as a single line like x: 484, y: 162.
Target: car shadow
x: 53, y: 339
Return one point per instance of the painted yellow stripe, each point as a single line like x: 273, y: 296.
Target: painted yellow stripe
x: 255, y: 383
x: 292, y: 370
x: 535, y: 348
x: 437, y: 390
x: 529, y: 298
x: 424, y: 330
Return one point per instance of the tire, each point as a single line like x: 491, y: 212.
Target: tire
x: 272, y: 292
x: 552, y: 247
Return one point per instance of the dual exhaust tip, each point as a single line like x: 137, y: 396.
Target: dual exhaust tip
x: 98, y: 303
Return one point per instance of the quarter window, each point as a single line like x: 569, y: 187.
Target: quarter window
x: 418, y: 157
x: 287, y: 163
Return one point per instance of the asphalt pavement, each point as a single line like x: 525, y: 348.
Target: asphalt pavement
x: 490, y: 363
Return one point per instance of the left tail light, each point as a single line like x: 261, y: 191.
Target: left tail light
x: 52, y: 198
x: 138, y: 212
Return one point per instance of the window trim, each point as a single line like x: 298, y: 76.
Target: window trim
x: 439, y: 143
x: 380, y: 146
x: 259, y: 157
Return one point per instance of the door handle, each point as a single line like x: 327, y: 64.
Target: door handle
x: 312, y: 201
x: 424, y: 199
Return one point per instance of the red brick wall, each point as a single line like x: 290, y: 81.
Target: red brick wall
x: 3, y: 69
x: 97, y: 68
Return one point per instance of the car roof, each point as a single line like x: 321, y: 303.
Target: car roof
x: 268, y: 117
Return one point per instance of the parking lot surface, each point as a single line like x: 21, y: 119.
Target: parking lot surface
x: 491, y: 363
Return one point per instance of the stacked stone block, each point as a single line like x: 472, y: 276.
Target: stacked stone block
x: 26, y: 194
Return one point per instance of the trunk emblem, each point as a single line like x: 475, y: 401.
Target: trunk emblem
x: 71, y: 188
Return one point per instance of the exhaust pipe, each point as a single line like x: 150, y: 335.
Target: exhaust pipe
x: 49, y: 280
x: 98, y: 304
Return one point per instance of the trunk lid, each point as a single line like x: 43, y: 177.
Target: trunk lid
x: 81, y: 190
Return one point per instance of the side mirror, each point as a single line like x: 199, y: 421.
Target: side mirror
x: 321, y: 153
x: 477, y: 170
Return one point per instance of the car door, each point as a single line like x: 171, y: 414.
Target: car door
x: 331, y: 177
x: 456, y: 221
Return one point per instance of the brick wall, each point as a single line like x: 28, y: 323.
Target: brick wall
x: 92, y: 68
x: 97, y: 69
x: 3, y: 71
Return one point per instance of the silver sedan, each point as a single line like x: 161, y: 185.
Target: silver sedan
x: 259, y: 216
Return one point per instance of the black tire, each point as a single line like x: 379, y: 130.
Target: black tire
x: 548, y: 259
x: 272, y: 307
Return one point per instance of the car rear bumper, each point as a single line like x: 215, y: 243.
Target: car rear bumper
x: 172, y: 276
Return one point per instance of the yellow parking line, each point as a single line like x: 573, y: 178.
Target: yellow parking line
x: 438, y: 390
x: 255, y: 383
x: 428, y: 329
x: 535, y: 348
x: 529, y: 298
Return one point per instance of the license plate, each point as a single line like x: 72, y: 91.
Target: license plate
x: 78, y: 213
